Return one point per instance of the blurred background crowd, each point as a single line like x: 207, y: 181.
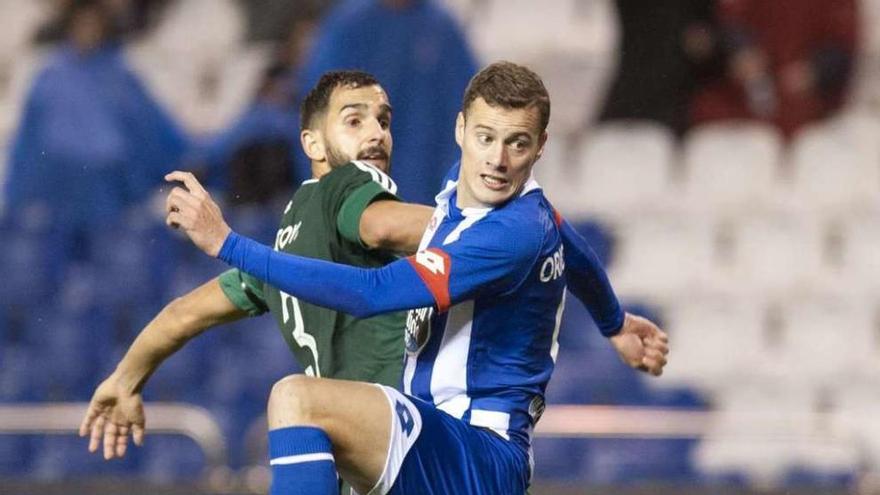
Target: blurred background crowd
x: 722, y: 156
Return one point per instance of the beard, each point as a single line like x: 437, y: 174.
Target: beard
x: 337, y: 158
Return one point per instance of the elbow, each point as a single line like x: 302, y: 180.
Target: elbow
x: 378, y: 235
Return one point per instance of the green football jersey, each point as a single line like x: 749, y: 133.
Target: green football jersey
x: 322, y: 221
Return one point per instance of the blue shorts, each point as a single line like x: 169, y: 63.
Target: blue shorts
x: 432, y: 452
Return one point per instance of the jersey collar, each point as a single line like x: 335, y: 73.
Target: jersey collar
x: 446, y: 198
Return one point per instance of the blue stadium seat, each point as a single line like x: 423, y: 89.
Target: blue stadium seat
x: 168, y: 459
x: 559, y: 459
x: 627, y: 461
x: 257, y: 222
x: 20, y: 378
x: 31, y: 265
x: 65, y: 457
x: 15, y: 455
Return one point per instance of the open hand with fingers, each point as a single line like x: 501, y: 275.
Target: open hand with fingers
x: 642, y: 345
x: 113, y: 415
x: 191, y: 209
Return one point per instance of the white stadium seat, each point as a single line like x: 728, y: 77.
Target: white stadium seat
x: 661, y: 257
x: 731, y: 167
x: 835, y: 169
x: 201, y: 31
x: 623, y: 169
x: 18, y: 24
x: 830, y: 340
x: 717, y: 342
x: 775, y: 253
x: 768, y: 431
x: 860, y: 258
x: 855, y: 413
x: 509, y: 27
x: 239, y: 77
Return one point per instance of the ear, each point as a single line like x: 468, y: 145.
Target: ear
x: 312, y: 142
x: 459, y: 129
x: 542, y: 140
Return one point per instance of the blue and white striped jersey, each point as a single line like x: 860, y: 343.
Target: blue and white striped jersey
x: 485, y: 352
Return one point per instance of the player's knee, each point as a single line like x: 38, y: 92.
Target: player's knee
x: 292, y: 401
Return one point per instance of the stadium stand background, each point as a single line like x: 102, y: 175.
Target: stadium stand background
x: 758, y: 256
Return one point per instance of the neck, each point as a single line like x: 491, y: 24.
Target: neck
x: 320, y: 169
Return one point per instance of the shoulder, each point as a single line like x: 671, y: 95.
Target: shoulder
x: 529, y: 213
x: 519, y: 228
x: 357, y: 173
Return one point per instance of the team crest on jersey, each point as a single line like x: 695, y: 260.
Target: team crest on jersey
x: 418, y: 329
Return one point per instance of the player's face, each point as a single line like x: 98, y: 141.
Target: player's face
x: 499, y: 146
x: 358, y: 127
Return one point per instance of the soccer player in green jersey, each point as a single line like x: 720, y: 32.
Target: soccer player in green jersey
x: 347, y: 213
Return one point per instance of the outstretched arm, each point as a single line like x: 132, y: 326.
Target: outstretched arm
x: 588, y: 281
x: 116, y: 409
x: 639, y: 342
x: 419, y: 281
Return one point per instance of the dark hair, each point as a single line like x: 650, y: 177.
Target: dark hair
x: 316, y: 101
x: 509, y: 85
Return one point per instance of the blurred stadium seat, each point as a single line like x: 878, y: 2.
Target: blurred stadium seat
x: 777, y: 252
x: 658, y: 257
x: 731, y: 168
x: 718, y: 341
x: 835, y: 172
x: 624, y: 169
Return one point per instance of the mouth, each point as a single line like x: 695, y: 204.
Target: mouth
x: 374, y: 156
x: 493, y: 182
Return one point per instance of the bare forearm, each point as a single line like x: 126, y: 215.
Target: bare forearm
x: 174, y: 326
x: 394, y: 226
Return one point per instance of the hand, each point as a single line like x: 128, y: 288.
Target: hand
x: 193, y: 210
x: 642, y: 345
x: 113, y: 413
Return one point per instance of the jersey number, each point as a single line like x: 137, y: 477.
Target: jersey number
x: 299, y: 332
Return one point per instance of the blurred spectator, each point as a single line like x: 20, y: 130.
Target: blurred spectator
x: 255, y: 159
x: 662, y: 46
x: 419, y: 54
x: 252, y: 160
x: 126, y: 17
x: 270, y: 20
x: 91, y: 140
x: 789, y: 62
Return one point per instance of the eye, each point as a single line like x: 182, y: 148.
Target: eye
x: 353, y: 122
x: 484, y: 139
x: 385, y: 123
x: 520, y: 145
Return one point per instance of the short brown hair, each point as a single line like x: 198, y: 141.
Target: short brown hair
x: 316, y: 102
x: 509, y: 85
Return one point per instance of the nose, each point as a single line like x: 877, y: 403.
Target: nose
x: 376, y: 133
x: 498, y: 157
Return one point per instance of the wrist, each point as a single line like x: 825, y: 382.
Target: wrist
x: 227, y: 246
x: 126, y: 381
x: 615, y: 327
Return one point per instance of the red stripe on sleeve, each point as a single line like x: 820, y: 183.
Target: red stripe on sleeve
x: 433, y: 266
x: 557, y: 217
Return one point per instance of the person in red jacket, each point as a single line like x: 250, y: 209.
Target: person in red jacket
x: 788, y: 62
